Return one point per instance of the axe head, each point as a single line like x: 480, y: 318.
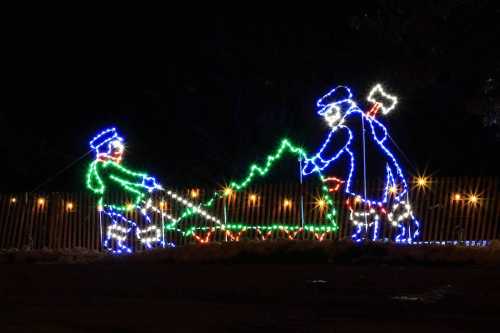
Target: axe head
x: 385, y: 101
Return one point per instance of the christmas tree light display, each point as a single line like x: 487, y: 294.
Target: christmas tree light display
x: 352, y: 131
x: 235, y: 231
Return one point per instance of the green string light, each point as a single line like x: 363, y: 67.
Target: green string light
x: 129, y: 181
x: 286, y: 147
x: 255, y: 169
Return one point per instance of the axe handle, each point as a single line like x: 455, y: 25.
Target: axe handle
x: 374, y: 110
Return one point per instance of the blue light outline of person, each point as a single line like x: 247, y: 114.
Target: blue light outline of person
x: 337, y: 113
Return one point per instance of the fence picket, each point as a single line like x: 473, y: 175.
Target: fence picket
x: 55, y: 225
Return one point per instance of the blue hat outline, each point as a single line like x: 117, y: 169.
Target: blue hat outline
x: 107, y: 136
x: 344, y: 97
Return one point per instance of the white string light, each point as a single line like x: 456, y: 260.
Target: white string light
x: 331, y: 106
x: 379, y: 97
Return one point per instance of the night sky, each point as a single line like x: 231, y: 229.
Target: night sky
x: 198, y: 97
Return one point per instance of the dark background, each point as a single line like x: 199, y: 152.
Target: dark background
x: 199, y: 96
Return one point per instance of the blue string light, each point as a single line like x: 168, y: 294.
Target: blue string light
x: 340, y: 111
x: 337, y: 108
x: 118, y: 231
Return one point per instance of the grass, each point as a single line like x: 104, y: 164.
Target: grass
x: 289, y: 252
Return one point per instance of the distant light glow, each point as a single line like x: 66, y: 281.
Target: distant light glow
x: 473, y: 199
x: 252, y: 198
x: 195, y: 193
x: 422, y: 182
x: 287, y: 203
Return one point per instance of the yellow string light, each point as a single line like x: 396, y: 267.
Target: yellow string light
x: 320, y: 203
x: 422, y: 182
x: 287, y: 203
x: 252, y: 198
x: 473, y: 199
x: 228, y: 191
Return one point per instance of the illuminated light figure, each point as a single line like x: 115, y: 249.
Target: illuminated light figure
x: 400, y: 212
x: 378, y: 96
x: 351, y: 132
x: 334, y: 183
x: 235, y: 232
x: 107, y: 174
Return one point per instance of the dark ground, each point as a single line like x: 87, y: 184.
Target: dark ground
x: 159, y: 297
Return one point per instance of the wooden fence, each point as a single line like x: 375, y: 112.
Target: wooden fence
x: 448, y: 210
